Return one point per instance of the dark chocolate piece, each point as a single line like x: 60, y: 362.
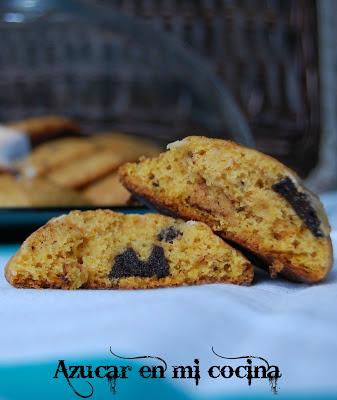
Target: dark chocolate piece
x: 128, y: 264
x: 157, y: 263
x: 301, y: 204
x: 169, y: 234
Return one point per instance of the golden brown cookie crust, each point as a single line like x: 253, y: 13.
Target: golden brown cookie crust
x: 67, y: 275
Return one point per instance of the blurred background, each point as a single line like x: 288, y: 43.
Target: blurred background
x: 261, y: 72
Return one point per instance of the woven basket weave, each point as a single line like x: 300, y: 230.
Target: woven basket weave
x: 266, y: 53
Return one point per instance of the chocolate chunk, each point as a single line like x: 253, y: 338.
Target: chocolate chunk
x: 128, y: 264
x: 169, y: 234
x: 301, y: 204
x: 157, y: 263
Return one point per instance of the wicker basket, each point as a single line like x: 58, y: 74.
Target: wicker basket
x: 111, y: 72
x: 265, y: 51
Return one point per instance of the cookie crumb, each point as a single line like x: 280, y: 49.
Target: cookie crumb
x: 191, y: 222
x: 177, y: 143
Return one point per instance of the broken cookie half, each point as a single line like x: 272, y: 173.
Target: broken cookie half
x: 248, y: 198
x: 101, y: 250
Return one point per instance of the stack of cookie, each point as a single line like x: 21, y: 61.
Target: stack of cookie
x: 232, y: 207
x: 69, y: 169
x: 251, y: 200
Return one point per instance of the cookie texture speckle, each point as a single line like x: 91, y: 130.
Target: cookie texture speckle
x: 244, y: 196
x: 102, y: 250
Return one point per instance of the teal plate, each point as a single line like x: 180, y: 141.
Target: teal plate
x: 17, y: 223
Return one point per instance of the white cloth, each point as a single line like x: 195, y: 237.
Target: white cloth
x: 291, y: 325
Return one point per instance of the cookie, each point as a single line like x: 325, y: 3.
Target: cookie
x: 130, y: 148
x: 246, y: 197
x: 85, y: 170
x: 41, y: 128
x: 11, y: 194
x: 101, y: 250
x: 108, y: 192
x: 53, y: 154
x: 36, y: 192
x: 43, y: 193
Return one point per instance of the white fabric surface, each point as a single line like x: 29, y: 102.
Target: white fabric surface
x: 292, y: 325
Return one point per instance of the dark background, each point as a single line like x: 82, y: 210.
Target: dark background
x: 273, y: 56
